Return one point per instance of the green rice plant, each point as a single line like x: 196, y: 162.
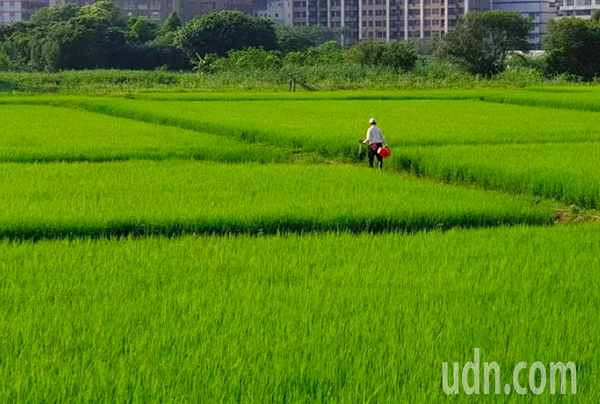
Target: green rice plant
x: 575, y: 88
x: 564, y: 172
x: 333, y: 318
x: 175, y: 197
x: 43, y: 133
x: 333, y: 127
x: 586, y: 99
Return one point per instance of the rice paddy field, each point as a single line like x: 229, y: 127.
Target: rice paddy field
x: 236, y: 248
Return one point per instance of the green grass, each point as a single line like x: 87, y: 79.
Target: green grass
x: 315, y: 96
x: 298, y: 319
x: 325, y: 78
x: 333, y: 127
x: 43, y: 133
x: 565, y: 172
x: 175, y: 197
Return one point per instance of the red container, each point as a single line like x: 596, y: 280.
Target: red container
x: 384, y: 152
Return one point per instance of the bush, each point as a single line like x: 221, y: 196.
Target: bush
x: 573, y: 47
x: 150, y: 57
x: 248, y: 59
x: 222, y: 32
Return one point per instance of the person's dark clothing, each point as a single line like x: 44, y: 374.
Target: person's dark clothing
x: 373, y: 153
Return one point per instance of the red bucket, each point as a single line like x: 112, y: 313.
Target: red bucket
x: 384, y: 152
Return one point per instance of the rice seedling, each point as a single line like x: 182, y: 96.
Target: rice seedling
x: 564, y: 172
x: 334, y: 318
x: 577, y: 99
x: 332, y: 127
x: 31, y: 133
x: 175, y: 197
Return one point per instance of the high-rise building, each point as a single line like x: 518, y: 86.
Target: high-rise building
x: 153, y: 10
x: 540, y: 11
x: 19, y: 10
x: 382, y: 20
x: 577, y: 8
x: 271, y: 9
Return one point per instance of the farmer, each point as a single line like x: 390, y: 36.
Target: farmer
x: 375, y: 140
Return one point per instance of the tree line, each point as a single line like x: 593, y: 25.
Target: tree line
x: 98, y: 36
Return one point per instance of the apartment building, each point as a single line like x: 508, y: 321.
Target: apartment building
x: 540, y: 11
x: 18, y: 10
x: 382, y: 20
x: 271, y: 9
x: 577, y: 8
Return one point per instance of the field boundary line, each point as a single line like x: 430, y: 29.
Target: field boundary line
x: 297, y: 226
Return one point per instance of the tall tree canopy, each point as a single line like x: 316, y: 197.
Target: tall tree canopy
x: 221, y: 32
x: 482, y: 41
x: 573, y: 47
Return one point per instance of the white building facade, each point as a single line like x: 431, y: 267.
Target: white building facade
x: 273, y: 10
x: 382, y: 20
x: 577, y: 8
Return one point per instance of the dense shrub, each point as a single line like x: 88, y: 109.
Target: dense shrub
x: 573, y: 47
x: 222, y: 32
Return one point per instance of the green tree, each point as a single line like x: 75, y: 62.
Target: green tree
x: 106, y: 11
x: 299, y: 39
x: 48, y: 16
x: 219, y: 33
x: 142, y: 30
x: 368, y: 53
x: 482, y: 41
x: 400, y: 55
x: 171, y: 24
x: 292, y: 39
x: 83, y: 42
x: 573, y: 47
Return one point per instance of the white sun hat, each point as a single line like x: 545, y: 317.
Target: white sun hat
x: 372, y: 120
